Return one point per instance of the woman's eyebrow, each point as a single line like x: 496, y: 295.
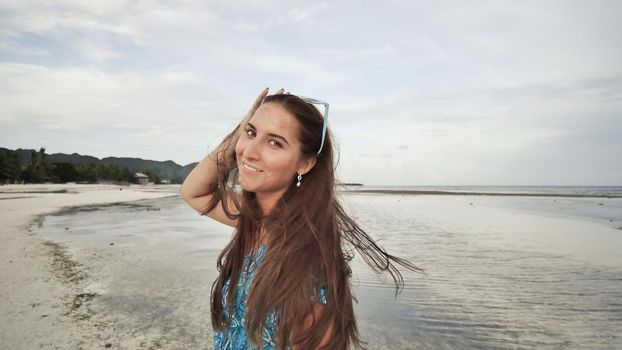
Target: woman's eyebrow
x: 270, y: 134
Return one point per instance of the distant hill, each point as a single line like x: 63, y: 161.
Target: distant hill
x: 165, y: 170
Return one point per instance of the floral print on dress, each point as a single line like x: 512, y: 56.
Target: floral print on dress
x: 235, y: 337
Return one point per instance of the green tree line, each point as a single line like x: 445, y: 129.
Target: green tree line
x: 40, y: 170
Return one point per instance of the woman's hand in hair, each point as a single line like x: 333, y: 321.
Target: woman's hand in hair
x: 253, y: 109
x: 199, y: 187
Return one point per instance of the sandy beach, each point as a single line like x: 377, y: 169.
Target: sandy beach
x: 42, y: 290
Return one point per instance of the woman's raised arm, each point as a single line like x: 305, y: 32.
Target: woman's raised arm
x: 195, y: 189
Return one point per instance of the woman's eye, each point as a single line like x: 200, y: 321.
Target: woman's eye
x: 275, y: 143
x: 250, y: 132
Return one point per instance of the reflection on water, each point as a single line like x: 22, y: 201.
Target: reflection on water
x: 499, y: 273
x: 496, y: 276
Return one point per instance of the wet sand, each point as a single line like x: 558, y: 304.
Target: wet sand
x: 43, y: 291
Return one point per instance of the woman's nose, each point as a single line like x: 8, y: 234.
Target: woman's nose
x: 252, y: 149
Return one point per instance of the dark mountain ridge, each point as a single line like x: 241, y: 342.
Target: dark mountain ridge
x: 167, y: 169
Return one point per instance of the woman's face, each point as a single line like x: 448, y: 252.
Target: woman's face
x: 268, y: 152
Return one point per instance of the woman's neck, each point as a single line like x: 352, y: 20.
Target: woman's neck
x: 261, y: 238
x: 267, y: 201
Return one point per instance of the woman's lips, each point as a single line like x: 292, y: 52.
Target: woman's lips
x: 248, y: 169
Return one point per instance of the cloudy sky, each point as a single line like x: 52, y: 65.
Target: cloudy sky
x: 421, y: 92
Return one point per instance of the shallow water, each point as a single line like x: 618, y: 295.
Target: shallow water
x: 500, y: 272
x: 499, y: 275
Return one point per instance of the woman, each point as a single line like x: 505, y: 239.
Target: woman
x: 287, y: 258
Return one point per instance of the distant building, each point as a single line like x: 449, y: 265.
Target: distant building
x: 166, y: 182
x: 142, y: 178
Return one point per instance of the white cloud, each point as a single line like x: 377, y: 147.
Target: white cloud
x: 434, y: 93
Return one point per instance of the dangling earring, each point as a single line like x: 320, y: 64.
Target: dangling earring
x: 299, y: 178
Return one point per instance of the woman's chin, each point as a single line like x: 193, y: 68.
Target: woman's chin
x: 247, y: 187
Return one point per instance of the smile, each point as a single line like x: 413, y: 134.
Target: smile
x: 250, y: 168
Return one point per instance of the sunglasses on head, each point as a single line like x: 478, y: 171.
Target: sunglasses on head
x: 325, y: 104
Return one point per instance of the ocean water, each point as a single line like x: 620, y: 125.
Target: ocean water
x: 539, y: 190
x: 500, y: 272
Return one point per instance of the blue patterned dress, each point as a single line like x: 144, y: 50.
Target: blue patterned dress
x: 235, y: 338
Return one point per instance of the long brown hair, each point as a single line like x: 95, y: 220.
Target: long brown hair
x: 311, y: 241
